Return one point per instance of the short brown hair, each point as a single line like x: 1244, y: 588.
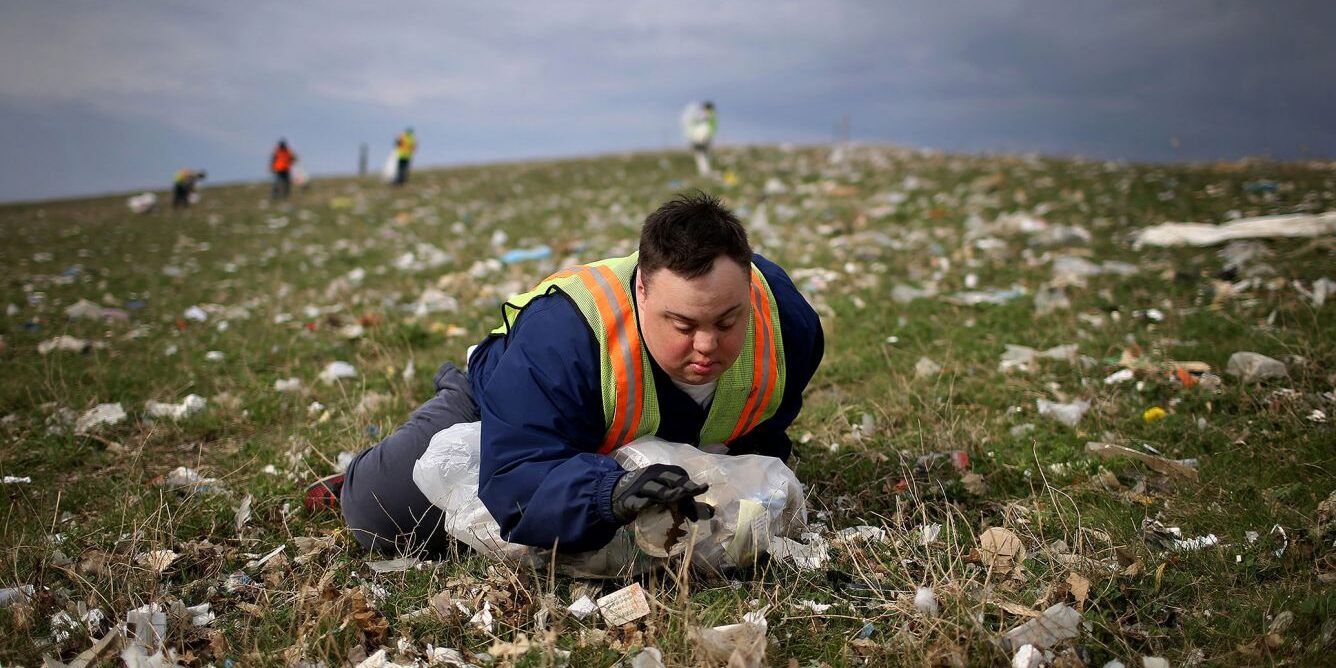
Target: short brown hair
x: 686, y: 234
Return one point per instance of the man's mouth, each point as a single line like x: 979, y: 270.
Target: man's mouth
x: 701, y: 367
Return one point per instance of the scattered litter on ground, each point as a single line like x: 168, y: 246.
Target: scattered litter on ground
x: 926, y: 368
x: 1262, y: 227
x: 583, y: 607
x: 11, y: 595
x: 16, y: 480
x: 393, y: 565
x: 1186, y: 469
x: 192, y: 404
x: 1057, y: 623
x: 1069, y: 414
x: 188, y: 479
x: 99, y: 416
x: 1253, y: 367
x: 68, y: 344
x: 288, y: 385
x: 337, y: 370
x: 925, y: 601
x: 1002, y: 551
x: 624, y: 606
x: 739, y: 645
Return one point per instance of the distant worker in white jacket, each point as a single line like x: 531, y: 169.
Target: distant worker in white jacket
x: 699, y: 124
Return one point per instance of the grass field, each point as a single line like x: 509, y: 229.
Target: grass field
x: 395, y: 282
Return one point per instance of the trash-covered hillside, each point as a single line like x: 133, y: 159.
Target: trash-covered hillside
x: 1050, y: 428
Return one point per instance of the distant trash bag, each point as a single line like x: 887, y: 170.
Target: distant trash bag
x: 299, y: 176
x: 391, y: 168
x: 757, y: 493
x: 142, y: 203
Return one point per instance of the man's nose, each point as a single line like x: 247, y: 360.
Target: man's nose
x: 705, y: 342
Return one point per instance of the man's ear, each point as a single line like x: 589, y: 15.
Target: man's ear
x: 641, y: 290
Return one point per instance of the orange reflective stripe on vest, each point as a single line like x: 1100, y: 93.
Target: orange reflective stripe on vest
x: 623, y: 336
x: 764, y: 372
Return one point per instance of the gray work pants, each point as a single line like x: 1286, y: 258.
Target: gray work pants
x: 381, y: 504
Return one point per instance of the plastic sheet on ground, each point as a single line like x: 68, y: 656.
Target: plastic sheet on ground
x: 1068, y: 414
x: 757, y: 502
x: 1058, y: 623
x: 1263, y: 227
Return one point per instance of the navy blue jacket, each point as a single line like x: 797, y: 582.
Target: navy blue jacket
x: 542, y: 417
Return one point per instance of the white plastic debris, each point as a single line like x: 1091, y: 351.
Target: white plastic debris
x: 1056, y: 624
x: 649, y: 657
x: 926, y: 368
x: 862, y: 532
x: 925, y: 601
x: 188, y: 479
x: 191, y: 405
x: 809, y: 555
x: 16, y: 480
x: 64, y: 343
x: 12, y: 595
x: 337, y: 370
x: 1193, y: 544
x: 393, y: 565
x: 201, y: 615
x: 287, y: 384
x: 808, y: 604
x: 1253, y: 367
x: 142, y: 203
x: 1263, y: 227
x: 1069, y: 414
x: 583, y: 607
x: 739, y: 645
x: 1154, y: 662
x: 100, y: 415
x: 929, y: 533
x: 1028, y: 656
x: 1323, y: 288
x: 1119, y: 376
x: 243, y: 512
x: 756, y: 498
x: 195, y: 313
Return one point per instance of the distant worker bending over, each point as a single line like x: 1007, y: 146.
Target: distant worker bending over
x: 404, y: 147
x: 183, y: 187
x: 693, y: 338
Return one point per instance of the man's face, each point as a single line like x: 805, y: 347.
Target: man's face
x: 694, y: 328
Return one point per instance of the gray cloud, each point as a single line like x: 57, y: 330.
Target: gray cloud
x: 135, y: 90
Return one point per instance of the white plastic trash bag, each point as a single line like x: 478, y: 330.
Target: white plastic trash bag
x: 391, y: 168
x: 758, y: 493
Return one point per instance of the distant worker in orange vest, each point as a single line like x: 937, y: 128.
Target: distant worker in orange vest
x: 183, y: 187
x: 280, y: 163
x: 404, y: 146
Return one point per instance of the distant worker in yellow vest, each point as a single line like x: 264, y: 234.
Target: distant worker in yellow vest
x: 693, y: 338
x: 183, y: 187
x: 404, y: 146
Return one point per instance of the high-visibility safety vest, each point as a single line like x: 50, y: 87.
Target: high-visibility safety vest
x: 407, y: 144
x: 282, y: 161
x: 747, y: 393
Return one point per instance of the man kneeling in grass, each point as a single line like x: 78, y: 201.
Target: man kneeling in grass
x: 694, y: 339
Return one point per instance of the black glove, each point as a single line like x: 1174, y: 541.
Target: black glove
x: 659, y: 484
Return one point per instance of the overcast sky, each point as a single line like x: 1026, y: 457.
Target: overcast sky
x: 111, y: 96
